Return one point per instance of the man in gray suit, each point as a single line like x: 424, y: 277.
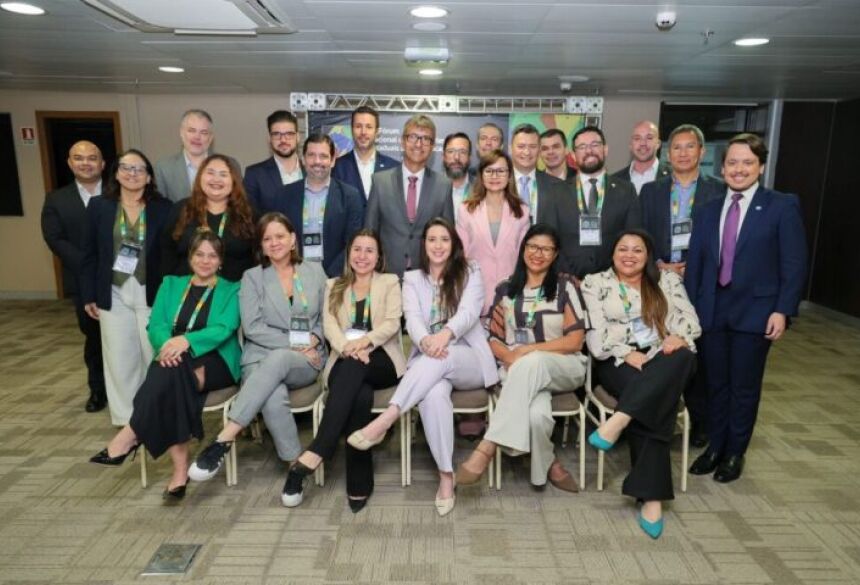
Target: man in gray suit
x: 403, y: 199
x: 175, y: 174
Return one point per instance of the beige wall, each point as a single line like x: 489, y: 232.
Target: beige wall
x: 150, y: 122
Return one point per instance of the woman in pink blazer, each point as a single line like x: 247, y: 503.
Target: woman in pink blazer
x: 492, y: 222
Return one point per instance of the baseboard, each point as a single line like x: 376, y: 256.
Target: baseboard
x: 843, y: 318
x: 28, y: 295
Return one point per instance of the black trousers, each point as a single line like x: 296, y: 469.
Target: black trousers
x: 92, y: 349
x: 650, y: 398
x: 347, y: 409
x: 696, y: 395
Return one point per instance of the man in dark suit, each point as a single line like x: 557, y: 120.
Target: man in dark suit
x: 357, y: 166
x: 403, y: 199
x: 63, y: 219
x: 264, y: 181
x: 594, y: 211
x: 175, y: 174
x: 745, y: 274
x: 324, y: 211
x: 644, y: 150
x: 670, y: 206
x: 553, y: 152
x: 534, y: 187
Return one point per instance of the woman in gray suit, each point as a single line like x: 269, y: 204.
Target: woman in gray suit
x: 281, y: 302
x: 442, y: 302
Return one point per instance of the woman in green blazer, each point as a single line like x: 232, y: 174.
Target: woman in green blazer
x: 192, y: 330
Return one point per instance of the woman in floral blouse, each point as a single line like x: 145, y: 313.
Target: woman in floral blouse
x: 642, y: 338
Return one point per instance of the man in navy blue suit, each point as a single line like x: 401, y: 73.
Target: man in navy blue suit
x: 264, y: 180
x: 357, y: 166
x: 325, y: 212
x: 745, y: 274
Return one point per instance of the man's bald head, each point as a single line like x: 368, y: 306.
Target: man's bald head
x: 86, y: 162
x: 645, y: 141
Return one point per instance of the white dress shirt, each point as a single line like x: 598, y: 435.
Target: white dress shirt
x: 365, y: 169
x: 86, y: 195
x: 406, y: 174
x: 638, y: 179
x: 744, y: 204
x: 287, y: 177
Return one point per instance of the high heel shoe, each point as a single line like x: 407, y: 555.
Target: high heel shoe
x: 467, y: 477
x: 652, y: 529
x: 598, y: 442
x: 176, y: 493
x: 357, y: 504
x: 103, y: 458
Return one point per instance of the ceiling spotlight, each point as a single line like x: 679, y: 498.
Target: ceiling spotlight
x: 428, y: 12
x: 22, y: 8
x: 430, y: 26
x: 171, y: 69
x: 751, y: 42
x: 430, y: 72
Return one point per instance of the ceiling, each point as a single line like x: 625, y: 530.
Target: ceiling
x: 505, y: 47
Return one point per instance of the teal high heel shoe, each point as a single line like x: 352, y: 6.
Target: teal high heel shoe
x: 652, y: 529
x: 598, y: 442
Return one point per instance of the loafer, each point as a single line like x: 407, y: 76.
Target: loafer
x: 652, y: 529
x: 565, y: 482
x: 598, y: 442
x: 445, y: 505
x: 705, y: 463
x: 729, y: 469
x: 357, y: 440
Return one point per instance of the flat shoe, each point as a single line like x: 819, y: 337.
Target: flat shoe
x: 357, y: 440
x: 652, y: 529
x: 598, y: 442
x: 565, y: 482
x: 445, y: 505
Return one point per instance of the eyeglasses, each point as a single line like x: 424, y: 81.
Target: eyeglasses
x: 596, y: 145
x: 495, y: 172
x: 132, y: 169
x: 542, y: 250
x: 456, y: 152
x: 279, y: 135
x: 424, y: 139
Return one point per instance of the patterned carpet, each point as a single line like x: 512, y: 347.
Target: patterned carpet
x: 794, y: 517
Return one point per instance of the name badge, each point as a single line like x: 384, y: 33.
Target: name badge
x: 643, y: 335
x: 681, y: 231
x: 300, y: 332
x: 127, y: 258
x: 589, y: 230
x: 312, y: 244
x: 522, y: 336
x: 354, y: 333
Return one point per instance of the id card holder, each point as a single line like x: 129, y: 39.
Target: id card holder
x: 681, y: 231
x: 127, y: 258
x: 312, y: 245
x: 521, y: 336
x: 354, y: 333
x: 643, y: 335
x: 300, y: 332
x: 589, y: 230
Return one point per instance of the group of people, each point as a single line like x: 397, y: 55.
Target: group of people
x: 502, y: 275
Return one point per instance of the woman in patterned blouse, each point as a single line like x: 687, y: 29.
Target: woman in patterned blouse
x: 642, y: 336
x: 537, y: 331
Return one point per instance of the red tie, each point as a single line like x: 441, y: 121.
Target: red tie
x: 412, y: 199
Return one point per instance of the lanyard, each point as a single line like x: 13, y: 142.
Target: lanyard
x: 141, y: 226
x: 436, y: 306
x: 306, y: 218
x: 352, y: 308
x: 625, y: 300
x: 580, y: 200
x: 676, y: 200
x: 298, y: 288
x: 530, y: 315
x: 197, y: 308
x: 533, y: 198
x: 222, y: 224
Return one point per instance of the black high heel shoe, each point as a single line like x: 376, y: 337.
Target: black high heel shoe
x: 357, y: 505
x: 176, y: 493
x: 103, y: 458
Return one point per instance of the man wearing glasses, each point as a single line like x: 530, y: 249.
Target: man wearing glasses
x: 403, y: 199
x: 598, y: 207
x: 534, y: 187
x: 357, y: 166
x: 265, y: 180
x: 175, y: 174
x: 456, y: 152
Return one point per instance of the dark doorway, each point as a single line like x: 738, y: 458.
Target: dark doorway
x: 10, y: 186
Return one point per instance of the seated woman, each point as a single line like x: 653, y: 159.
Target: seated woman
x: 361, y: 321
x: 537, y: 331
x: 642, y: 336
x: 442, y: 303
x: 280, y: 302
x: 193, y: 331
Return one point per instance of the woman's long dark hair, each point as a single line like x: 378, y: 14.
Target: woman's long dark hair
x: 347, y: 279
x: 112, y: 187
x: 456, y: 270
x: 517, y: 281
x: 654, y: 304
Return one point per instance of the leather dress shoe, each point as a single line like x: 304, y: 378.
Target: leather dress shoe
x: 705, y: 463
x: 729, y: 469
x: 96, y: 402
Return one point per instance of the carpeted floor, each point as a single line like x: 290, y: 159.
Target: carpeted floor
x: 794, y: 516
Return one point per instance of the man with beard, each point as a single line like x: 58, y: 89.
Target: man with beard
x: 597, y: 209
x: 645, y: 166
x: 456, y: 152
x: 357, y: 166
x: 324, y: 211
x: 265, y: 180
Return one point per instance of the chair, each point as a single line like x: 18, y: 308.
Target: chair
x: 478, y: 401
x: 606, y: 405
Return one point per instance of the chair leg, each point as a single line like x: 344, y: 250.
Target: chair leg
x: 685, y: 449
x: 143, y: 478
x: 409, y: 447
x: 491, y: 467
x: 600, y: 454
x: 316, y: 416
x: 582, y: 447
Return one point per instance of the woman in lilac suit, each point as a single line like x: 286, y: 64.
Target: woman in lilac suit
x: 492, y: 221
x: 442, y: 303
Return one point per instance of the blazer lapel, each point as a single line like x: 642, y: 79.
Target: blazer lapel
x: 274, y: 174
x: 399, y: 195
x: 755, y: 213
x: 275, y: 292
x: 664, y: 212
x: 425, y: 202
x: 376, y: 298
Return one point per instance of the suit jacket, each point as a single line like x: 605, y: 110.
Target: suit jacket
x: 465, y: 323
x: 386, y: 309
x: 655, y: 204
x: 222, y: 324
x: 98, y: 258
x: 663, y: 170
x: 344, y: 215
x: 346, y: 169
x: 386, y: 214
x: 620, y: 211
x: 263, y: 184
x: 549, y: 189
x: 769, y: 268
x: 171, y: 176
x: 63, y: 221
x: 266, y: 312
x: 497, y: 260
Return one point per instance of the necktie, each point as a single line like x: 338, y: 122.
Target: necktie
x: 412, y: 199
x: 592, y: 196
x: 525, y: 190
x: 730, y: 238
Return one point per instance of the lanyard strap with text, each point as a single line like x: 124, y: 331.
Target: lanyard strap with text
x: 364, y: 310
x: 580, y: 200
x: 625, y: 300
x: 306, y: 216
x: 530, y: 315
x: 222, y: 224
x: 141, y: 226
x: 197, y: 307
x: 436, y: 306
x: 298, y: 288
x: 676, y: 200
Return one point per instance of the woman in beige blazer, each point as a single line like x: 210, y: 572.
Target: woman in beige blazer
x: 361, y: 320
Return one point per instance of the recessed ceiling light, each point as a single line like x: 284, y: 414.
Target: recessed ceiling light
x: 574, y: 78
x: 431, y: 72
x: 428, y: 12
x: 430, y: 26
x: 22, y: 8
x: 171, y: 69
x: 751, y: 42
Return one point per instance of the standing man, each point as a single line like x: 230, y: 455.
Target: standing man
x: 403, y: 199
x: 745, y: 273
x: 596, y: 210
x: 265, y: 180
x: 645, y: 166
x: 490, y: 138
x: 325, y: 212
x: 553, y: 152
x: 535, y: 188
x: 357, y: 166
x: 63, y: 218
x: 175, y: 174
x: 456, y: 152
